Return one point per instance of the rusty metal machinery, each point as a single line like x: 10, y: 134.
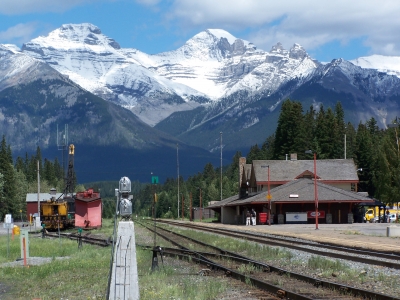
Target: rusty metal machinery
x: 60, y: 213
x: 70, y: 180
x: 54, y: 214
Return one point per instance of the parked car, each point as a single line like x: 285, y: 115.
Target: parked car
x: 392, y: 219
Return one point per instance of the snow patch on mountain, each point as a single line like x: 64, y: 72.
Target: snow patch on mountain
x: 14, y: 65
x: 386, y: 64
x: 212, y: 65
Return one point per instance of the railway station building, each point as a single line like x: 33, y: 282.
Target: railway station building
x: 292, y: 185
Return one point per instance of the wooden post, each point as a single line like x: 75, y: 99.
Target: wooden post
x: 191, y: 211
x: 24, y: 246
x: 183, y: 210
x: 201, y: 208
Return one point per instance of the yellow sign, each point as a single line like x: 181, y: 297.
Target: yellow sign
x: 269, y: 197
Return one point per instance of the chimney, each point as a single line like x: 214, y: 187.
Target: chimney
x: 242, y: 162
x: 293, y: 156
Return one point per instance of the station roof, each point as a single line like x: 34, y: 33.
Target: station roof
x: 224, y: 202
x: 287, y: 170
x: 33, y: 197
x: 299, y: 190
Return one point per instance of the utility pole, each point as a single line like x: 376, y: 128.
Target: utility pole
x: 221, y: 163
x: 201, y: 209
x: 38, y: 193
x: 177, y: 166
x: 183, y: 208
x: 191, y: 211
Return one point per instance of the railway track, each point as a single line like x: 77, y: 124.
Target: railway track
x: 275, y: 282
x: 387, y: 258
x: 84, y: 239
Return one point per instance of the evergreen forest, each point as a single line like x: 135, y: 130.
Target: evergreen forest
x: 324, y: 131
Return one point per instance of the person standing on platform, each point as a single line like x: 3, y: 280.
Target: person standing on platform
x: 253, y: 217
x: 248, y: 215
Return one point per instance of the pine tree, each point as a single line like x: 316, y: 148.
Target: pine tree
x: 309, y: 129
x: 351, y: 141
x: 48, y: 172
x: 339, y: 133
x: 290, y: 131
x: 386, y: 179
x: 254, y: 154
x: 324, y: 132
x: 7, y: 202
x: 19, y: 165
x: 267, y: 148
x: 366, y: 159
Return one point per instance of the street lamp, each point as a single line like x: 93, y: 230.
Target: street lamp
x: 315, y: 187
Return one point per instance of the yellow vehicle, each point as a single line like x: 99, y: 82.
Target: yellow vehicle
x: 372, y: 214
x: 55, y: 214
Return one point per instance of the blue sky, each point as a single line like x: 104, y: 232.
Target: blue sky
x: 326, y: 29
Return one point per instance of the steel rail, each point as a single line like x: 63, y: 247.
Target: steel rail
x: 356, y: 292
x: 87, y: 240
x: 191, y: 255
x: 388, y: 254
x: 289, y: 244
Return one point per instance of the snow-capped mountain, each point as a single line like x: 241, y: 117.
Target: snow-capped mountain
x: 35, y: 99
x: 98, y: 64
x: 211, y: 65
x: 214, y: 82
x: 16, y: 66
x: 386, y: 64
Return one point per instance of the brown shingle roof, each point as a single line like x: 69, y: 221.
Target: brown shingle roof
x: 223, y: 202
x: 287, y: 170
x: 304, y: 188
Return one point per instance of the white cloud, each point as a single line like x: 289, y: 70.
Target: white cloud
x: 311, y: 23
x: 18, y: 33
x: 20, y: 7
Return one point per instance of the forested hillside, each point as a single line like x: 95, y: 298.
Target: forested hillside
x: 19, y: 177
x: 374, y: 151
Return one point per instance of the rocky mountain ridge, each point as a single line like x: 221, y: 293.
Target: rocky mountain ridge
x: 213, y: 83
x: 211, y: 65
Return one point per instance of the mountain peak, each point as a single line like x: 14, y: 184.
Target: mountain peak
x: 83, y: 27
x: 217, y: 43
x: 220, y: 33
x: 297, y: 52
x: 72, y: 35
x: 278, y: 48
x: 10, y: 47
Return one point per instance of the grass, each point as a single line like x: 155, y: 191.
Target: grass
x: 83, y: 274
x: 255, y: 250
x: 321, y: 263
x: 351, y: 232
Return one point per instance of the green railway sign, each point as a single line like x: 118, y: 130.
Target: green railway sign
x: 154, y: 179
